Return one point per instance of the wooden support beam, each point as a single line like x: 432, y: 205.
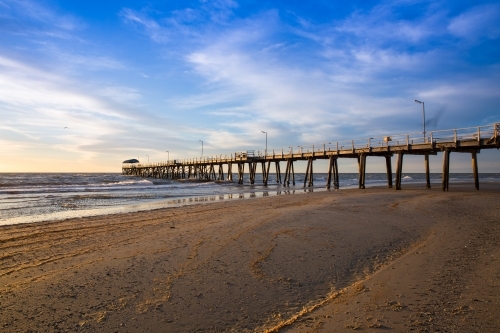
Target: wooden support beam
x: 427, y: 173
x: 252, y: 166
x: 336, y: 183
x: 293, y: 174
x: 399, y: 170
x: 307, y: 172
x: 329, y: 177
x: 278, y: 172
x: 446, y: 170
x: 221, y: 172
x: 474, y: 170
x: 289, y: 173
x: 362, y: 168
x: 266, y: 179
x: 241, y: 171
x: 388, y: 166
x: 206, y: 173
x: 263, y: 167
x: 230, y: 171
x: 311, y: 174
x: 286, y: 180
x: 332, y: 173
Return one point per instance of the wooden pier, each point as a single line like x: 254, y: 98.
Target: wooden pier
x: 463, y: 140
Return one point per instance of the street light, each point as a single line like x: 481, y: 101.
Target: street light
x: 423, y: 113
x: 266, y: 142
x: 168, y: 155
x: 201, y: 148
x: 291, y: 150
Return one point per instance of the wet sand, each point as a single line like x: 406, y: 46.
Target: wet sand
x: 412, y: 260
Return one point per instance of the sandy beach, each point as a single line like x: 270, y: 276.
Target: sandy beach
x: 376, y: 259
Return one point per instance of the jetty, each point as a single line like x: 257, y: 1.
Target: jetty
x: 461, y: 140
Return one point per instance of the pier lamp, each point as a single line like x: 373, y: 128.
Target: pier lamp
x: 168, y: 155
x: 291, y: 150
x: 423, y: 113
x: 266, y: 142
x: 201, y: 147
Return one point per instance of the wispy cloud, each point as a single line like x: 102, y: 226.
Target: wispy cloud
x: 478, y: 22
x: 31, y: 17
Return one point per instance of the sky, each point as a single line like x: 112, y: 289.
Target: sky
x: 85, y: 85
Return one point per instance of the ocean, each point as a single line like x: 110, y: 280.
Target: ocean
x: 36, y: 197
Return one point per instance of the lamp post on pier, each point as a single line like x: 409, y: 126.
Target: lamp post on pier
x: 423, y: 113
x: 427, y: 176
x: 168, y: 155
x: 201, y: 148
x: 265, y: 154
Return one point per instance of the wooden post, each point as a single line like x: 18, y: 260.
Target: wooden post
x: 241, y: 170
x: 286, y: 180
x: 293, y: 175
x: 311, y: 176
x: 330, y: 167
x: 252, y: 166
x: 427, y: 174
x: 267, y: 172
x: 362, y: 168
x: 264, y: 176
x: 250, y: 172
x: 446, y: 170
x: 211, y: 175
x: 278, y: 172
x: 399, y: 171
x: 332, y: 171
x: 388, y: 166
x: 254, y: 171
x: 230, y: 171
x: 359, y: 171
x: 474, y: 169
x: 307, y: 171
x: 289, y: 173
x: 335, y: 174
x: 221, y: 172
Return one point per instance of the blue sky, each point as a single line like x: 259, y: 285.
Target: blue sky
x: 132, y: 79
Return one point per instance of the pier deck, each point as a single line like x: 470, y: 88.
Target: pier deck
x: 463, y: 140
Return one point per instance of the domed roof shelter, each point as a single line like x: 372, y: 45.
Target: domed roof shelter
x: 131, y: 161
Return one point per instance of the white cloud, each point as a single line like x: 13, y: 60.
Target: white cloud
x: 382, y: 25
x: 478, y: 22
x: 151, y: 27
x: 34, y: 12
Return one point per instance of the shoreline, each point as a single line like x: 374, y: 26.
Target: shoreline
x: 242, y: 266
x: 188, y: 200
